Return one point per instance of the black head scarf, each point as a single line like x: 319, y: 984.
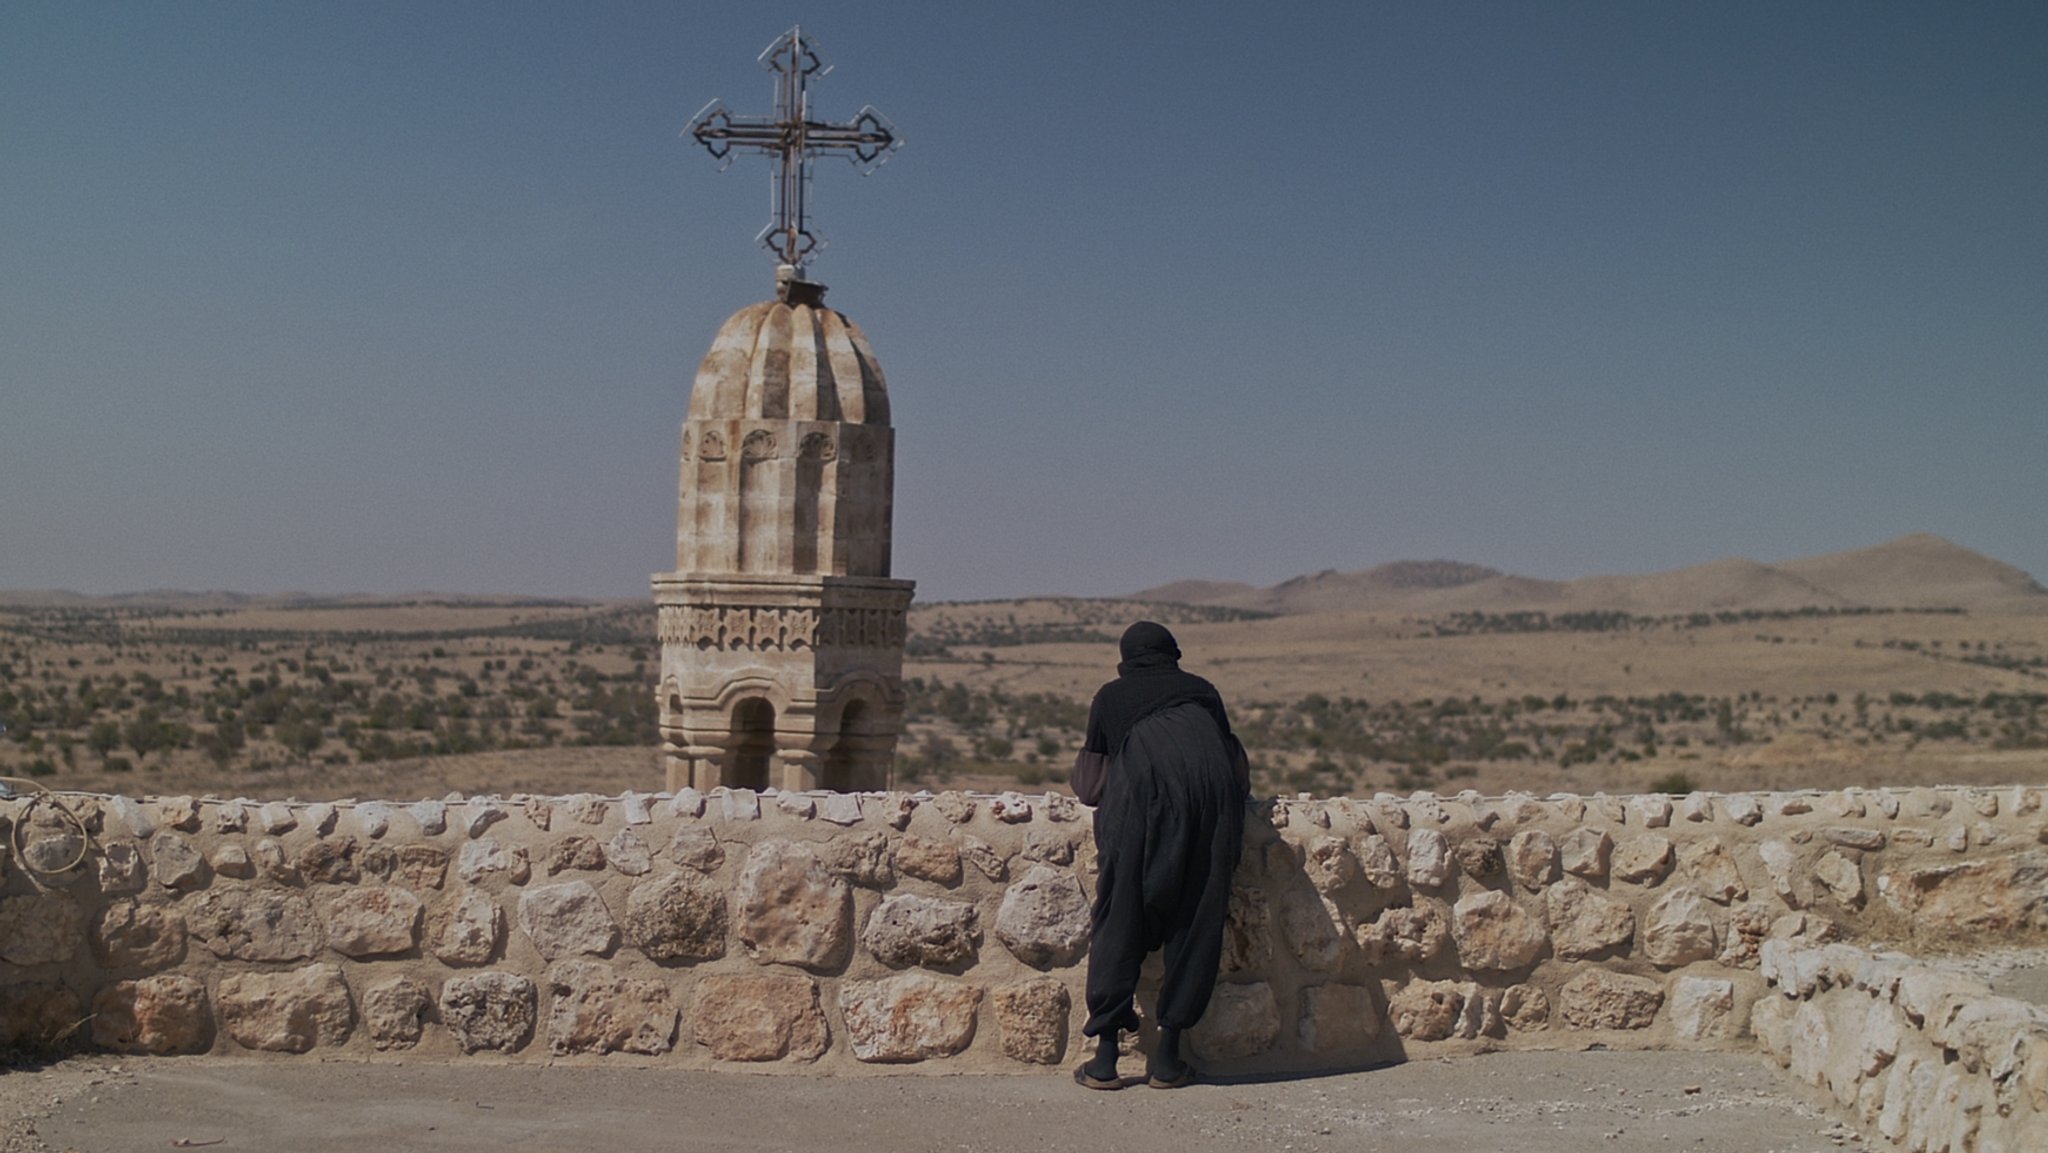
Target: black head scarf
x: 1148, y: 679
x: 1147, y: 645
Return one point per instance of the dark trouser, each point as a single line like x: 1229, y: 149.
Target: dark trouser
x: 1167, y: 836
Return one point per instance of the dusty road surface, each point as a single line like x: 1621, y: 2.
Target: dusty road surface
x: 1513, y: 1103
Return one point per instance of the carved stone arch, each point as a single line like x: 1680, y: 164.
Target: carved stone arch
x: 755, y: 682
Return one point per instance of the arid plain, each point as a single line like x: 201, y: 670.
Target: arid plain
x: 1914, y: 661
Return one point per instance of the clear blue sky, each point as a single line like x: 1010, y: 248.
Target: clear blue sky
x: 383, y: 297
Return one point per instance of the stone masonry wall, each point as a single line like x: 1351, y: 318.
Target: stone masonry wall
x: 1930, y: 1060
x: 841, y: 932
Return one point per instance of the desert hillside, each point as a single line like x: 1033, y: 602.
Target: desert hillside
x: 1914, y: 661
x: 1919, y: 571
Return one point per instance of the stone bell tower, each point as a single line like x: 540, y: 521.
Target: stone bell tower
x: 781, y: 630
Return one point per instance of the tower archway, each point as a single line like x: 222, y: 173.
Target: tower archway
x: 753, y: 744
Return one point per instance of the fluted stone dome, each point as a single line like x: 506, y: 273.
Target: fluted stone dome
x: 788, y: 460
x: 783, y: 361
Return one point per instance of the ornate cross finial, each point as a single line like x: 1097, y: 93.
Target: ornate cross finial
x: 793, y: 137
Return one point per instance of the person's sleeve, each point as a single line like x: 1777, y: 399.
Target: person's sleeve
x: 1091, y: 764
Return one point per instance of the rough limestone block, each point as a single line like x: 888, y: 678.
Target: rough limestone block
x: 1598, y: 999
x: 633, y: 808
x: 696, y: 847
x: 288, y: 1012
x: 1480, y: 857
x: 792, y: 910
x: 179, y: 864
x: 1426, y: 1010
x: 595, y: 1010
x: 678, y: 917
x: 1313, y: 929
x: 868, y: 860
x: 577, y: 852
x: 1031, y: 1020
x: 395, y: 1012
x: 1494, y: 933
x: 121, y: 868
x: 742, y: 1017
x: 1413, y: 933
x: 1996, y: 894
x: 798, y: 805
x: 158, y: 1015
x: 1533, y: 859
x: 1337, y: 1018
x: 1377, y: 863
x: 1854, y: 837
x: 1679, y: 929
x: 955, y: 807
x: 1585, y: 922
x: 1713, y: 871
x: 480, y: 815
x: 840, y: 808
x: 420, y: 867
x: 485, y: 857
x: 128, y: 935
x: 985, y: 858
x: 1585, y: 853
x: 1841, y: 878
x: 373, y: 818
x: 567, y: 920
x: 40, y: 928
x: 232, y: 861
x: 131, y: 817
x: 1429, y: 858
x: 1649, y: 810
x: 913, y: 1017
x: 1642, y: 859
x: 1525, y: 1008
x: 467, y: 930
x: 1010, y: 809
x: 1242, y: 1021
x: 586, y: 808
x: 739, y: 804
x: 276, y: 819
x: 1697, y: 807
x: 330, y: 862
x: 1044, y: 918
x: 430, y: 816
x: 1742, y: 808
x: 628, y: 854
x: 1702, y: 1008
x: 254, y: 925
x: 908, y: 929
x: 372, y: 921
x: 1747, y: 927
x: 896, y: 809
x: 180, y: 813
x: 1049, y: 847
x: 1781, y: 863
x: 489, y: 1010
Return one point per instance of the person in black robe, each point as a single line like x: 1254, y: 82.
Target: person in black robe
x: 1168, y: 780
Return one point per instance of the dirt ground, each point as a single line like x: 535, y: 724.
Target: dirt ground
x: 1507, y: 1102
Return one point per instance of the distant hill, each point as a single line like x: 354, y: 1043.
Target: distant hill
x: 1919, y: 571
x: 211, y: 600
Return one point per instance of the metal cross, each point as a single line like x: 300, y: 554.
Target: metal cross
x: 793, y: 137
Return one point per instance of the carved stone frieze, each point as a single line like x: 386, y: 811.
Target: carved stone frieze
x: 739, y: 628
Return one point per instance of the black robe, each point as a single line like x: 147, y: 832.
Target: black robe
x: 1168, y: 831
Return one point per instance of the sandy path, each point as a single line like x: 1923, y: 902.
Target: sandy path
x: 1513, y: 1103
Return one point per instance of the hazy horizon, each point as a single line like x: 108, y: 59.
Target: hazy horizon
x: 382, y: 298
